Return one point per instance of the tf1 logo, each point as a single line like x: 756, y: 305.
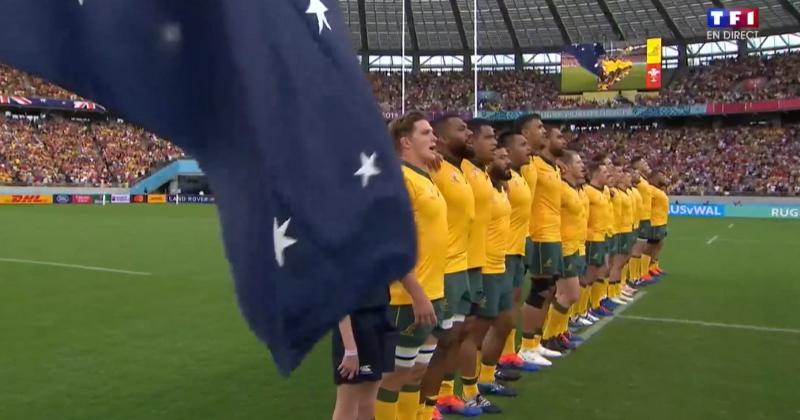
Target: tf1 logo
x: 732, y: 18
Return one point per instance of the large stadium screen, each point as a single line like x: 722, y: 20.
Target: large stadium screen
x: 594, y: 68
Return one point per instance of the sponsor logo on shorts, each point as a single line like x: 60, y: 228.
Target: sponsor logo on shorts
x: 409, y: 331
x: 365, y: 370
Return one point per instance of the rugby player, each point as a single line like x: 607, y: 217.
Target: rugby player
x: 417, y: 302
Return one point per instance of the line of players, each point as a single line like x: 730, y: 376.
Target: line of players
x: 488, y: 209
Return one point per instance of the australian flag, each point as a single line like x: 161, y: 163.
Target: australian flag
x: 269, y: 98
x: 587, y: 55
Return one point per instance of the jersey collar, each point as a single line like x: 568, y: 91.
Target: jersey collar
x: 416, y: 169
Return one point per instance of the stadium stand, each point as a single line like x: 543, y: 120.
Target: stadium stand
x: 739, y: 160
x: 59, y: 151
x: 55, y: 150
x: 15, y: 82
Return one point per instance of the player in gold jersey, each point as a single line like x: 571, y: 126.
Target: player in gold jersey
x: 480, y: 265
x: 658, y: 218
x: 577, y: 311
x: 494, y: 317
x: 519, y: 194
x: 596, y: 246
x: 572, y: 237
x: 623, y: 226
x: 599, y: 302
x: 531, y: 128
x: 636, y: 200
x: 455, y: 145
x: 642, y: 251
x: 417, y: 301
x: 543, y: 250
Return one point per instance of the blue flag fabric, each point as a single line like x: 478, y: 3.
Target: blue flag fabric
x: 588, y: 55
x: 269, y: 97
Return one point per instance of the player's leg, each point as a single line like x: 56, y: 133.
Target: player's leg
x: 366, y: 398
x: 586, y: 280
x: 600, y: 285
x: 645, y: 234
x: 567, y: 293
x: 409, y: 346
x: 496, y: 315
x: 546, y: 265
x: 515, y: 270
x: 659, y: 235
x: 636, y: 254
x: 475, y: 329
x: 376, y: 342
x: 440, y: 375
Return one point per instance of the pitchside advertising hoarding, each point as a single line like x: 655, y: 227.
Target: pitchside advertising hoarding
x: 120, y: 198
x: 191, y: 199
x: 26, y: 199
x: 754, y: 211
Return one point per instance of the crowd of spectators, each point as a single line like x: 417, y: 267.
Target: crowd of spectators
x: 739, y: 160
x: 733, y: 160
x: 723, y: 80
x: 18, y: 83
x: 751, y: 78
x: 58, y: 151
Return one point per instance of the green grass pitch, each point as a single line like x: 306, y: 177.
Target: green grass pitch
x: 577, y: 80
x: 93, y: 345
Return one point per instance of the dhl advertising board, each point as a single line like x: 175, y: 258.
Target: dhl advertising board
x: 26, y: 199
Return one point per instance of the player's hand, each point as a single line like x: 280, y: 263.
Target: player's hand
x: 349, y: 366
x: 435, y: 164
x: 423, y: 312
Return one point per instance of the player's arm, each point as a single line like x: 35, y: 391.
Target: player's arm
x: 422, y: 306
x: 349, y: 366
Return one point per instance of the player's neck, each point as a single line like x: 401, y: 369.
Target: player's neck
x: 496, y: 182
x: 449, y: 156
x: 547, y: 156
x: 414, y: 161
x: 478, y: 164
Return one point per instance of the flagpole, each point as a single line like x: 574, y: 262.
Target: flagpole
x: 403, y: 61
x: 475, y: 55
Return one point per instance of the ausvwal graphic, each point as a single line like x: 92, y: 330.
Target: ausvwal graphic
x: 697, y: 210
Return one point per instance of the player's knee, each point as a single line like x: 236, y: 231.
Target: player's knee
x: 504, y: 321
x: 570, y: 297
x: 517, y: 294
x: 425, y: 354
x: 538, y: 293
x: 405, y: 357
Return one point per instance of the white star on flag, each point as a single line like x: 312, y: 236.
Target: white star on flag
x: 316, y: 7
x: 367, y: 169
x: 80, y: 2
x: 280, y: 239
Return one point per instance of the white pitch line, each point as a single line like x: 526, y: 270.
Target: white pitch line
x: 713, y: 324
x: 713, y: 238
x: 730, y: 226
x: 599, y: 325
x: 75, y: 266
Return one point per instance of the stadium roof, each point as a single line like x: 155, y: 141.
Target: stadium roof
x: 529, y: 26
